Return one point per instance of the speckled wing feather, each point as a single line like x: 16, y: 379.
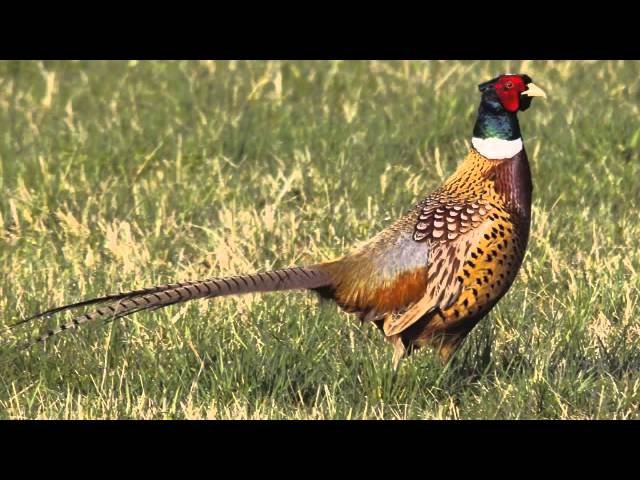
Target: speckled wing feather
x: 452, y: 230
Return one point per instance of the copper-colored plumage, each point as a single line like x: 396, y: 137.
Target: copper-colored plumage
x: 475, y: 230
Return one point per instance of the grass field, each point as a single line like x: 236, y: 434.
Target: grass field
x: 118, y: 175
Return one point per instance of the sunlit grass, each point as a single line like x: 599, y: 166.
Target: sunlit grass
x: 124, y: 174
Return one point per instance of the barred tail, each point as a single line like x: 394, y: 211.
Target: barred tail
x: 122, y: 304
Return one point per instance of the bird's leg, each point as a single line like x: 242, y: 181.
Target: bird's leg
x: 399, y: 351
x: 446, y: 347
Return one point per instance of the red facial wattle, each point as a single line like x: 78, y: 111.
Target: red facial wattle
x: 509, y: 88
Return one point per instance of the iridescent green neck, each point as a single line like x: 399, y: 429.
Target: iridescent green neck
x: 495, y: 122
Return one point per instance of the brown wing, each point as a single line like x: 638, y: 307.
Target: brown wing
x: 451, y: 229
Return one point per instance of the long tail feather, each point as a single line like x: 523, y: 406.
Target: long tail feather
x: 107, y: 298
x: 124, y: 304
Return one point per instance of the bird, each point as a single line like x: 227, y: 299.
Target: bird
x: 428, y: 278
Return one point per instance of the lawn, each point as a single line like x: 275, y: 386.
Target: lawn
x: 120, y: 175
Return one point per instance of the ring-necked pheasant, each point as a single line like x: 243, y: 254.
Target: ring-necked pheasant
x: 428, y: 278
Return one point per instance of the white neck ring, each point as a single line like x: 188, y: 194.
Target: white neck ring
x: 496, y: 148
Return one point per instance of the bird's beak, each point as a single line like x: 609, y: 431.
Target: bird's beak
x: 534, y: 91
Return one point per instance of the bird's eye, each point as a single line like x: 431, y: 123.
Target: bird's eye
x: 508, y: 85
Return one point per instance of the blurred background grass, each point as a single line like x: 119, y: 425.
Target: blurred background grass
x: 118, y: 175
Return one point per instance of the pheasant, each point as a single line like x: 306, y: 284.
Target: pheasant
x: 427, y: 279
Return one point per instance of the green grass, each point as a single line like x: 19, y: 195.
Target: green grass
x: 118, y: 175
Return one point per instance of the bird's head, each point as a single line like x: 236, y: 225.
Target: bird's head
x: 511, y: 92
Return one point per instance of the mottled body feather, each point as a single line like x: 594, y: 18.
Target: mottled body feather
x: 432, y: 275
